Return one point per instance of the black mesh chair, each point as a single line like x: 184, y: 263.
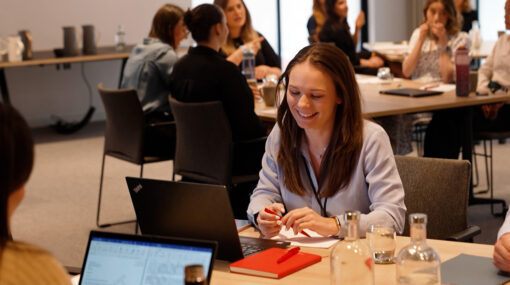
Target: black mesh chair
x: 440, y: 189
x: 125, y: 134
x: 205, y: 152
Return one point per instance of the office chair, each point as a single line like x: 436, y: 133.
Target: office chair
x: 440, y: 189
x: 124, y: 134
x: 205, y: 152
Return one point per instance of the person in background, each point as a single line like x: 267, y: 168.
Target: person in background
x: 241, y: 32
x: 322, y: 158
x: 430, y: 58
x: 494, y: 76
x: 150, y: 64
x: 468, y: 14
x: 337, y: 30
x: 315, y: 22
x: 20, y: 263
x: 204, y: 75
x: 148, y: 70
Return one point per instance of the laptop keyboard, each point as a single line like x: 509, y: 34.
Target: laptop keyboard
x: 249, y: 249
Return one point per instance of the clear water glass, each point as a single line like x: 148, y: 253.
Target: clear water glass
x: 382, y: 240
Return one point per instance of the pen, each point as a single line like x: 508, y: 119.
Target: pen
x: 290, y: 253
x: 430, y: 86
x: 280, y: 217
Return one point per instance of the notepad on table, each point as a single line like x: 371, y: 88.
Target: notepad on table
x: 265, y: 263
x: 316, y: 240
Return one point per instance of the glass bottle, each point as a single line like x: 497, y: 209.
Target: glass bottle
x: 418, y: 263
x: 351, y: 259
x: 248, y: 63
x: 462, y: 61
x: 194, y: 275
x: 120, y: 39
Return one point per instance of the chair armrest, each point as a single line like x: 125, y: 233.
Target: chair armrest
x: 466, y: 235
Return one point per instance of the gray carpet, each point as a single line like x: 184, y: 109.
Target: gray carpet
x: 59, y: 209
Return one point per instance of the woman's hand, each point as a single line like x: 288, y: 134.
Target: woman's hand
x: 262, y: 70
x: 269, y: 224
x: 306, y: 218
x: 360, y: 20
x: 439, y: 31
x: 255, y: 44
x: 424, y: 30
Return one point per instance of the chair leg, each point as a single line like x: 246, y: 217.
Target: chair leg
x: 474, y: 169
x: 99, y: 201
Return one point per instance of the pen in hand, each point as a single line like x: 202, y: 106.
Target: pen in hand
x: 279, y: 215
x: 290, y: 253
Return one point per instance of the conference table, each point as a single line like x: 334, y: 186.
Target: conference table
x: 376, y: 105
x: 385, y: 274
x: 47, y: 57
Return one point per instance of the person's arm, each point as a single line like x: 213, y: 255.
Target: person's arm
x: 415, y: 44
x: 485, y: 72
x: 267, y: 62
x: 164, y: 63
x: 446, y: 67
x: 385, y: 189
x: 237, y: 56
x: 360, y: 22
x: 501, y: 255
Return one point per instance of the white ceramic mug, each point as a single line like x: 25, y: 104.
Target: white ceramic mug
x: 14, y: 48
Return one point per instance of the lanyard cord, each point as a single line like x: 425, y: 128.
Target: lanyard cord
x: 315, y: 192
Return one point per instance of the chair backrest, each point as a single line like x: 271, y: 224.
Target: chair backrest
x: 204, y: 142
x: 124, y: 124
x: 438, y: 188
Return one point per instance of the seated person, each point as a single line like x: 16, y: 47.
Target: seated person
x: 495, y: 72
x: 322, y: 158
x: 148, y: 71
x: 337, y: 30
x: 315, y: 22
x: 468, y: 14
x: 240, y: 33
x: 204, y: 75
x: 501, y: 255
x: 20, y: 263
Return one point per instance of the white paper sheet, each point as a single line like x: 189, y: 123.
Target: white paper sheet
x: 375, y: 80
x: 315, y: 240
x: 441, y: 87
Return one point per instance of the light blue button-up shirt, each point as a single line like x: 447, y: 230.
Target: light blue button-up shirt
x: 148, y: 70
x: 375, y: 188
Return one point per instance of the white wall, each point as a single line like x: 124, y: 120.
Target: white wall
x: 388, y: 20
x: 39, y: 92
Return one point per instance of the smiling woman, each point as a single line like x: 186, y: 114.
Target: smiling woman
x: 323, y: 158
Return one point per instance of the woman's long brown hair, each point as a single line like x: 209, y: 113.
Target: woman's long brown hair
x: 248, y: 33
x: 344, y: 148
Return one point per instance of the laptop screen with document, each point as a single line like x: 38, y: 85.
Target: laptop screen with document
x: 131, y: 259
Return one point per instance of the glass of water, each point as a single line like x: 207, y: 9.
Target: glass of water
x: 382, y: 240
x: 384, y: 73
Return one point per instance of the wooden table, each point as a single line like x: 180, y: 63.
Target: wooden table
x: 319, y: 273
x: 41, y: 58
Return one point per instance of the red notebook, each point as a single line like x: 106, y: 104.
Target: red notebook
x: 264, y: 263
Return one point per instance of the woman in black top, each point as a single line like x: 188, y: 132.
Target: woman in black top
x: 336, y: 30
x: 241, y: 32
x: 468, y: 14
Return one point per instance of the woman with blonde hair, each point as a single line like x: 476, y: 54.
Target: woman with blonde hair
x: 241, y: 32
x: 323, y: 158
x: 316, y: 21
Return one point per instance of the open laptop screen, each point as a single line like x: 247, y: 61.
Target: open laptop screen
x: 129, y: 259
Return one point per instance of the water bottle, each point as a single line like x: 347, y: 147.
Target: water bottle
x: 418, y: 263
x: 474, y: 35
x: 248, y: 63
x: 351, y: 259
x: 120, y: 39
x: 462, y: 61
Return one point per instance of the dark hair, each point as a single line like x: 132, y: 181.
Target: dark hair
x: 248, y: 33
x: 200, y: 20
x: 164, y: 22
x: 331, y: 15
x: 16, y: 160
x: 343, y: 151
x: 453, y: 24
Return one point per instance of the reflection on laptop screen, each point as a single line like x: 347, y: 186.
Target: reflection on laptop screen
x: 120, y: 261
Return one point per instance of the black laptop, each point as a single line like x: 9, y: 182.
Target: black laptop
x: 192, y: 210
x: 410, y: 92
x: 113, y: 258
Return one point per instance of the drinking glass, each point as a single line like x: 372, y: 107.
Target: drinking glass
x: 384, y: 73
x: 382, y: 240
